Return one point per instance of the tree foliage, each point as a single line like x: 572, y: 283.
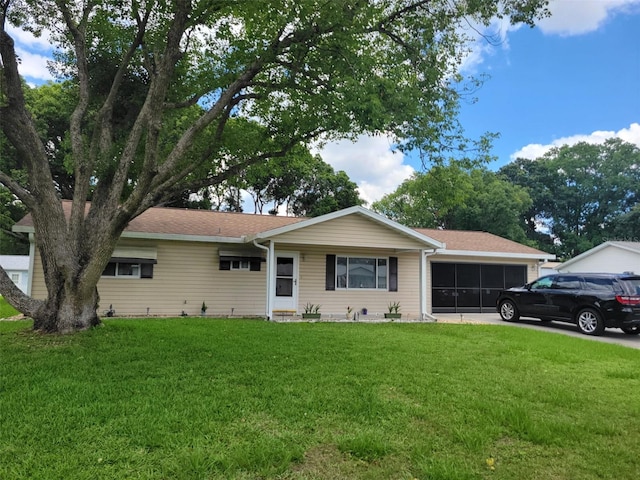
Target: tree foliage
x: 461, y: 196
x: 302, y: 69
x: 582, y: 194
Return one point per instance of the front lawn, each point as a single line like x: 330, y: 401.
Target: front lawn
x: 245, y: 399
x: 6, y: 310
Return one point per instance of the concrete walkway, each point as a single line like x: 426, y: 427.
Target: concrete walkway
x: 611, y: 335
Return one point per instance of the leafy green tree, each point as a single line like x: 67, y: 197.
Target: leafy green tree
x: 302, y: 69
x: 322, y: 190
x: 11, y: 210
x: 459, y: 196
x: 580, y: 193
x: 493, y: 205
x: 626, y: 227
x: 427, y: 199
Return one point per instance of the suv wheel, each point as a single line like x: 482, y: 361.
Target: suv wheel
x: 590, y: 322
x: 509, y: 311
x: 631, y: 330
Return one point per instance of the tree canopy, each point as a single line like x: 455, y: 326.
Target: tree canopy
x: 302, y: 69
x: 582, y: 194
x: 461, y: 196
x: 566, y: 202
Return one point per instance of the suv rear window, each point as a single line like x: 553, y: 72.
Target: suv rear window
x: 633, y: 285
x: 600, y: 284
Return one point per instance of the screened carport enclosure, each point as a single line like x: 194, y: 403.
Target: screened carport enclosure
x: 471, y: 287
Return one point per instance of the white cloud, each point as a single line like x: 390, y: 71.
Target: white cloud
x: 28, y: 40
x: 33, y: 52
x: 577, y: 17
x: 568, y: 18
x: 33, y: 65
x: 370, y: 163
x: 485, y: 42
x: 536, y: 150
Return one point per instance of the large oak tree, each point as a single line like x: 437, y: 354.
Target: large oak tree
x: 303, y: 69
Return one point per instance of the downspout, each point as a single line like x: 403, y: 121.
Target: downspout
x: 423, y: 285
x: 268, y: 306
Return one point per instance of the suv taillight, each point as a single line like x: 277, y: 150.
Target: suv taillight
x: 628, y: 299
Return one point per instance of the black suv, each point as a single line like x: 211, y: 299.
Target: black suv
x: 593, y: 301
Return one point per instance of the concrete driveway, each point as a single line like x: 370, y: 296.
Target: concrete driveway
x: 611, y: 335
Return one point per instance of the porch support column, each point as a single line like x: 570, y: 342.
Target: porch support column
x: 423, y: 284
x: 270, y: 277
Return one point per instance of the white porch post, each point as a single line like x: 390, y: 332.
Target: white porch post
x: 423, y: 284
x: 271, y: 278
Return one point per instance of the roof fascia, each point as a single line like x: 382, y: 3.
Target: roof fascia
x: 343, y: 213
x: 182, y: 237
x: 597, y: 249
x: 626, y: 246
x: 522, y: 256
x: 158, y: 236
x: 22, y: 229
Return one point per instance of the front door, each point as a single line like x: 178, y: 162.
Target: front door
x: 286, y: 281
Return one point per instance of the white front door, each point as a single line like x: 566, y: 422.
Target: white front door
x: 286, y: 281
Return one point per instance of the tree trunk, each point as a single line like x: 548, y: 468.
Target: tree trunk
x: 67, y: 310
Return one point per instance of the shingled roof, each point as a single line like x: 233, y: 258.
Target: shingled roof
x: 162, y: 222
x: 471, y: 241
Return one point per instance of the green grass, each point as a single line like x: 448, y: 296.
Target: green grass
x: 6, y: 310
x: 235, y: 399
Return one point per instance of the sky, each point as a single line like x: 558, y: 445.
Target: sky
x: 574, y: 77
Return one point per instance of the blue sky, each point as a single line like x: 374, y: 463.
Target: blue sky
x: 574, y: 77
x: 544, y: 87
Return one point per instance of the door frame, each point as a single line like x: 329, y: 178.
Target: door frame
x: 278, y: 302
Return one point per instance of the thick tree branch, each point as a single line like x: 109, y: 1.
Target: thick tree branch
x: 18, y: 126
x: 176, y: 184
x: 103, y: 134
x: 16, y: 297
x: 14, y: 187
x: 82, y: 161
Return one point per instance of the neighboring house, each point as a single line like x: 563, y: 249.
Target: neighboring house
x: 17, y: 268
x: 549, y: 268
x: 170, y: 261
x: 608, y: 257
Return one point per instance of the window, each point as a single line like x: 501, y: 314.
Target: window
x: 361, y: 272
x: 124, y: 269
x: 240, y: 265
x: 543, y: 283
x: 129, y: 268
x: 15, y: 278
x: 567, y: 283
x: 598, y: 283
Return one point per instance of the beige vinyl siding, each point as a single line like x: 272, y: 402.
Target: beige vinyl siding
x: 187, y: 273
x: 351, y: 230
x: 334, y: 302
x: 38, y: 288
